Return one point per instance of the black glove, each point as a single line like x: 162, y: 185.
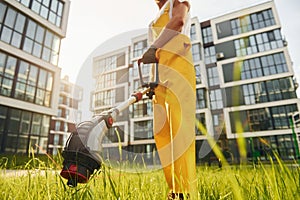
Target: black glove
x: 149, y: 56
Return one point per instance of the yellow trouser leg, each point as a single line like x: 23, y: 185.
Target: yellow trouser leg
x: 174, y: 128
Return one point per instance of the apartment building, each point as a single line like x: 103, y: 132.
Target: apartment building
x: 245, y: 89
x: 69, y: 113
x: 30, y: 37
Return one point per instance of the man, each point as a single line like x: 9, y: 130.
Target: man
x: 174, y: 101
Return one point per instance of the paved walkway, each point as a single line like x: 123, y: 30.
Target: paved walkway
x: 15, y: 173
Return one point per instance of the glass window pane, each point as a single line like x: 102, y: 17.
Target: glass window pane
x: 20, y: 91
x: 2, y: 11
x: 10, y: 18
x: 32, y: 79
x: 40, y: 97
x: 36, y: 124
x: 49, y: 81
x: 48, y: 39
x: 44, y: 12
x: 36, y: 7
x: 20, y: 23
x: 52, y: 17
x: 14, y: 122
x: 16, y: 39
x: 42, y: 79
x: 3, y: 113
x: 54, y: 4
x: 25, y: 2
x: 46, y: 3
x: 60, y: 8
x: 37, y: 50
x: 31, y: 29
x: 25, y: 123
x: 30, y: 91
x: 2, y: 62
x: 6, y: 86
x: 58, y: 21
x: 45, y: 125
x: 56, y: 44
x: 10, y: 67
x: 23, y: 71
x: 46, y: 54
x: 40, y: 34
x: 54, y: 58
x: 47, y: 99
x: 6, y: 35
x: 28, y: 44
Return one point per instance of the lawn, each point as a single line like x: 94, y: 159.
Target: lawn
x: 41, y: 180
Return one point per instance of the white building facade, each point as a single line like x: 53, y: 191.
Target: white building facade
x: 30, y: 36
x: 69, y: 113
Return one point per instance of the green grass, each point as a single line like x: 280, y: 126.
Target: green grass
x: 262, y: 181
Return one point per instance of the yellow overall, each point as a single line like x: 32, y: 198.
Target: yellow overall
x: 174, y: 107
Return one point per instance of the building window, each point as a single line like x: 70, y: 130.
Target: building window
x: 59, y: 112
x: 196, y: 51
x: 198, y: 74
x: 193, y: 32
x: 13, y: 28
x: 262, y: 19
x: 254, y: 68
x: 251, y: 69
x: 24, y: 2
x: 200, y: 117
x: 32, y: 84
x: 143, y: 130
x: 207, y: 35
x: 115, y: 134
x: 267, y: 91
x: 57, y: 126
x: 136, y: 84
x: 139, y: 48
x: 245, y: 46
x: 269, y: 40
x: 56, y: 140
x: 216, y: 99
x: 210, y: 55
x: 269, y: 118
x: 200, y: 99
x: 241, y: 25
x: 280, y: 89
x: 245, y: 23
x: 274, y: 64
x: 213, y: 76
x: 258, y: 43
x: 50, y: 10
x: 23, y: 128
x: 41, y: 43
x: 25, y: 122
x: 104, y: 65
x: 105, y: 98
x: 106, y: 80
x: 145, y: 69
x: 142, y: 108
x: 38, y: 41
x: 8, y: 67
x: 282, y: 144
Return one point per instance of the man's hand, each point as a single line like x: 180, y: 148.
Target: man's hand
x: 149, y: 56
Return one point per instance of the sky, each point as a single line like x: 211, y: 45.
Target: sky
x: 91, y: 23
